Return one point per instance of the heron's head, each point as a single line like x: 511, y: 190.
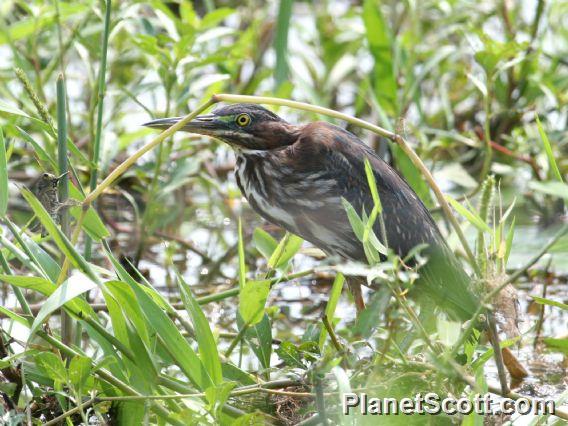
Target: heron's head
x: 246, y: 127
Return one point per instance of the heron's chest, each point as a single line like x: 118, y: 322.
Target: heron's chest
x: 295, y: 200
x: 263, y: 187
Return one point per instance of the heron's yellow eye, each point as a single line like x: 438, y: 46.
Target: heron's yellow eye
x: 243, y: 120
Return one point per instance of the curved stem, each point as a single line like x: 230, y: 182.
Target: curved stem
x: 125, y: 165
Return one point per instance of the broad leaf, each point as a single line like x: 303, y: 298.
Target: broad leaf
x: 252, y: 300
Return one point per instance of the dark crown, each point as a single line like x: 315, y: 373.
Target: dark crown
x: 256, y: 111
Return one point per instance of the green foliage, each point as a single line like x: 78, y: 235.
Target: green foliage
x: 548, y: 150
x: 203, y: 334
x: 252, y: 300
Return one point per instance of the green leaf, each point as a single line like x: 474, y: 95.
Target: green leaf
x: 50, y: 266
x: 205, y: 340
x: 509, y: 240
x: 252, y: 300
x: 370, y: 318
x: 120, y: 295
x: 380, y: 45
x: 281, y: 42
x: 373, y: 185
x: 412, y: 175
x: 354, y: 219
x: 487, y: 355
x: 215, y: 17
x: 286, y: 249
x: 291, y: 355
x: 38, y: 149
x: 472, y: 217
x: 3, y: 177
x: 332, y: 305
x: 557, y: 344
x: 40, y: 284
x: 179, y: 349
x: 234, y: 373
x: 370, y: 237
x: 79, y: 371
x: 218, y: 395
x: 92, y: 223
x: 556, y: 189
x: 14, y: 316
x: 71, y: 288
x: 52, y: 366
x: 129, y: 327
x: 9, y: 109
x: 78, y: 307
x: 59, y: 238
x: 264, y: 242
x: 549, y: 152
x: 144, y: 367
x: 549, y: 302
x: 11, y: 360
x: 32, y: 24
x: 259, y: 338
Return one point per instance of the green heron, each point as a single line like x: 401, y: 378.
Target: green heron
x: 295, y: 176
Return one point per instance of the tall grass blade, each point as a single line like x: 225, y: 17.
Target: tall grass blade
x: 332, y: 305
x: 3, y: 176
x: 66, y: 292
x: 179, y: 349
x: 380, y: 45
x: 59, y: 238
x: 63, y: 188
x: 281, y: 42
x: 548, y: 151
x: 205, y: 340
x: 100, y: 109
x: 471, y: 217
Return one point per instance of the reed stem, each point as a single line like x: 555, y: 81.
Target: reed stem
x: 63, y: 166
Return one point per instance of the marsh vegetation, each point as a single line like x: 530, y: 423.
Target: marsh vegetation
x: 145, y: 290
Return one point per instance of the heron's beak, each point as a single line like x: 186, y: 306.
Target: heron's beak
x: 208, y: 124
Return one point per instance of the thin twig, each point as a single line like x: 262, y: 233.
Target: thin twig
x: 338, y: 346
x: 540, y: 321
x: 494, y: 340
x: 237, y: 339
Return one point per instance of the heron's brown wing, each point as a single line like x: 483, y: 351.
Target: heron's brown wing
x: 338, y: 157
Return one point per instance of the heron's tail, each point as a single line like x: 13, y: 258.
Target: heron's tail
x: 444, y: 280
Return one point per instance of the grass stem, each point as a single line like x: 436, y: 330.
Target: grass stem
x: 63, y: 166
x: 96, y: 154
